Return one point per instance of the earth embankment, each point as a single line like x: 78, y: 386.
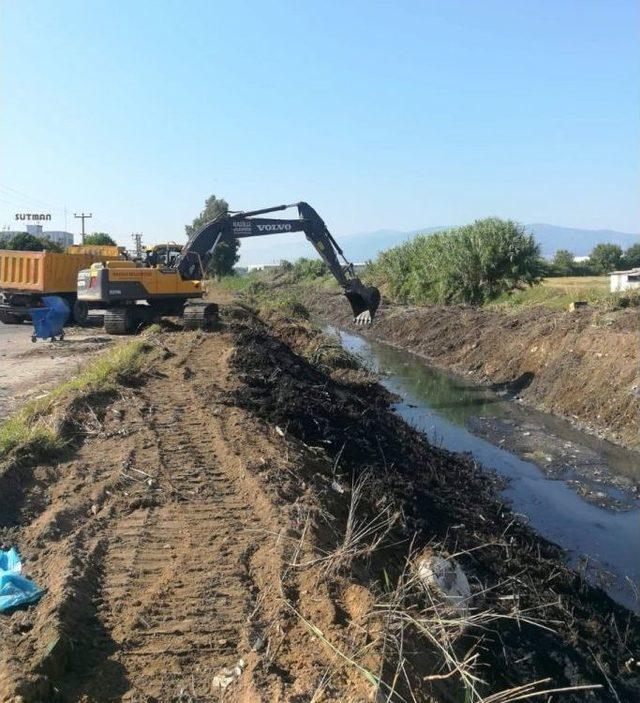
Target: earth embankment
x: 246, y: 521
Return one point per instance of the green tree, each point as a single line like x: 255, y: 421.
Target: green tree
x: 99, y: 239
x: 605, y: 257
x: 50, y: 245
x: 563, y: 263
x: 631, y: 258
x: 470, y: 264
x: 25, y: 242
x: 29, y: 242
x: 226, y: 254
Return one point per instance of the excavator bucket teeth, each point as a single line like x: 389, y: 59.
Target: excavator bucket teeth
x: 364, y: 304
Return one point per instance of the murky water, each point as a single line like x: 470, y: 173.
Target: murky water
x: 603, y: 543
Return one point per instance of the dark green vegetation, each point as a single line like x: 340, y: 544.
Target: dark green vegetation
x: 28, y: 242
x: 99, y: 239
x: 470, y: 264
x: 302, y: 270
x: 226, y: 254
x: 631, y: 257
x: 603, y: 259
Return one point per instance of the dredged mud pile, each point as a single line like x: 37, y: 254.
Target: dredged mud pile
x: 193, y: 544
x: 447, y: 499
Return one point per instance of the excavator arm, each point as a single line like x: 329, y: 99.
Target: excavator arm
x: 193, y: 259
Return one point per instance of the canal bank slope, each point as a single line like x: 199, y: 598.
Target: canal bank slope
x: 582, y: 364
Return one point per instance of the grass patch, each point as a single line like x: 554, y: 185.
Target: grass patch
x: 239, y: 284
x: 286, y: 303
x: 558, y: 293
x: 259, y: 290
x: 34, y: 429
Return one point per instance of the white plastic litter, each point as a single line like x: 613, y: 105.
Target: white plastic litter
x: 447, y: 578
x: 337, y: 487
x: 227, y: 676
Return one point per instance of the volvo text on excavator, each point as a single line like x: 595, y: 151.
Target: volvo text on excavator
x: 134, y: 293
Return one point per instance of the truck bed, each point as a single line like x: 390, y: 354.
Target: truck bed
x: 46, y: 271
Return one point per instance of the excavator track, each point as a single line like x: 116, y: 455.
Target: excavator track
x: 127, y: 319
x: 118, y: 320
x: 199, y: 316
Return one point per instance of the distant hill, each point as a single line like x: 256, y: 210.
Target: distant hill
x: 366, y: 245
x: 578, y: 241
x: 361, y: 247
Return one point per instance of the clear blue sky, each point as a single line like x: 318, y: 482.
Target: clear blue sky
x: 380, y: 114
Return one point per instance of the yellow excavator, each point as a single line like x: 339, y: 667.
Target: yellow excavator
x: 169, y: 281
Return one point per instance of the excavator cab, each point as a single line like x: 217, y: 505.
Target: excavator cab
x: 162, y: 255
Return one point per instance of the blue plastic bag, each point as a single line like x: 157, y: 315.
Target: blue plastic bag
x: 15, y: 589
x: 10, y: 561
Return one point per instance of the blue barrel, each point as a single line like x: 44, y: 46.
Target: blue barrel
x: 49, y: 319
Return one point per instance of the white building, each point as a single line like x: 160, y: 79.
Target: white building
x: 261, y: 267
x: 625, y: 280
x: 64, y: 239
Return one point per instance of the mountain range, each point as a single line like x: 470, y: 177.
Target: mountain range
x: 366, y: 245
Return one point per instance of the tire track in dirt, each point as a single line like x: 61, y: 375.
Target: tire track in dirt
x: 176, y: 590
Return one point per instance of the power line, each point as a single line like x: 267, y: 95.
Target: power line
x: 13, y: 192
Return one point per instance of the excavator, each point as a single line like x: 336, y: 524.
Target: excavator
x: 135, y: 293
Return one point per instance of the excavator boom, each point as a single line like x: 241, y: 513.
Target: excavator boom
x: 192, y: 261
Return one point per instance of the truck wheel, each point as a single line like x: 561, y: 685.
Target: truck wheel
x: 10, y: 318
x: 120, y: 320
x: 80, y: 312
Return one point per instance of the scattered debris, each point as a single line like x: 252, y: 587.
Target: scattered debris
x: 227, y: 676
x: 337, y: 487
x: 15, y: 590
x: 447, y: 578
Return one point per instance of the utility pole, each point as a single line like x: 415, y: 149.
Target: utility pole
x: 83, y: 217
x: 137, y: 238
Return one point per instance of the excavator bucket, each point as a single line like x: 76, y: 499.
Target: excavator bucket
x: 364, y: 301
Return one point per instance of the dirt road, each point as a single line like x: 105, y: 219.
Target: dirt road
x: 28, y: 369
x: 159, y: 550
x: 195, y: 544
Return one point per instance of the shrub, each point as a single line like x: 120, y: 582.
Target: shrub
x: 470, y: 264
x: 302, y: 270
x: 605, y: 257
x: 288, y: 305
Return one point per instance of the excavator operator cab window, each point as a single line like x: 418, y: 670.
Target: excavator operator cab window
x: 151, y: 258
x: 163, y: 256
x: 172, y: 255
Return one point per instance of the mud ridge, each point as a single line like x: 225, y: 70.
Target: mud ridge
x: 452, y: 501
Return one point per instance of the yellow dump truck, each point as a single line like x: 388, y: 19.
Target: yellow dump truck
x: 25, y: 276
